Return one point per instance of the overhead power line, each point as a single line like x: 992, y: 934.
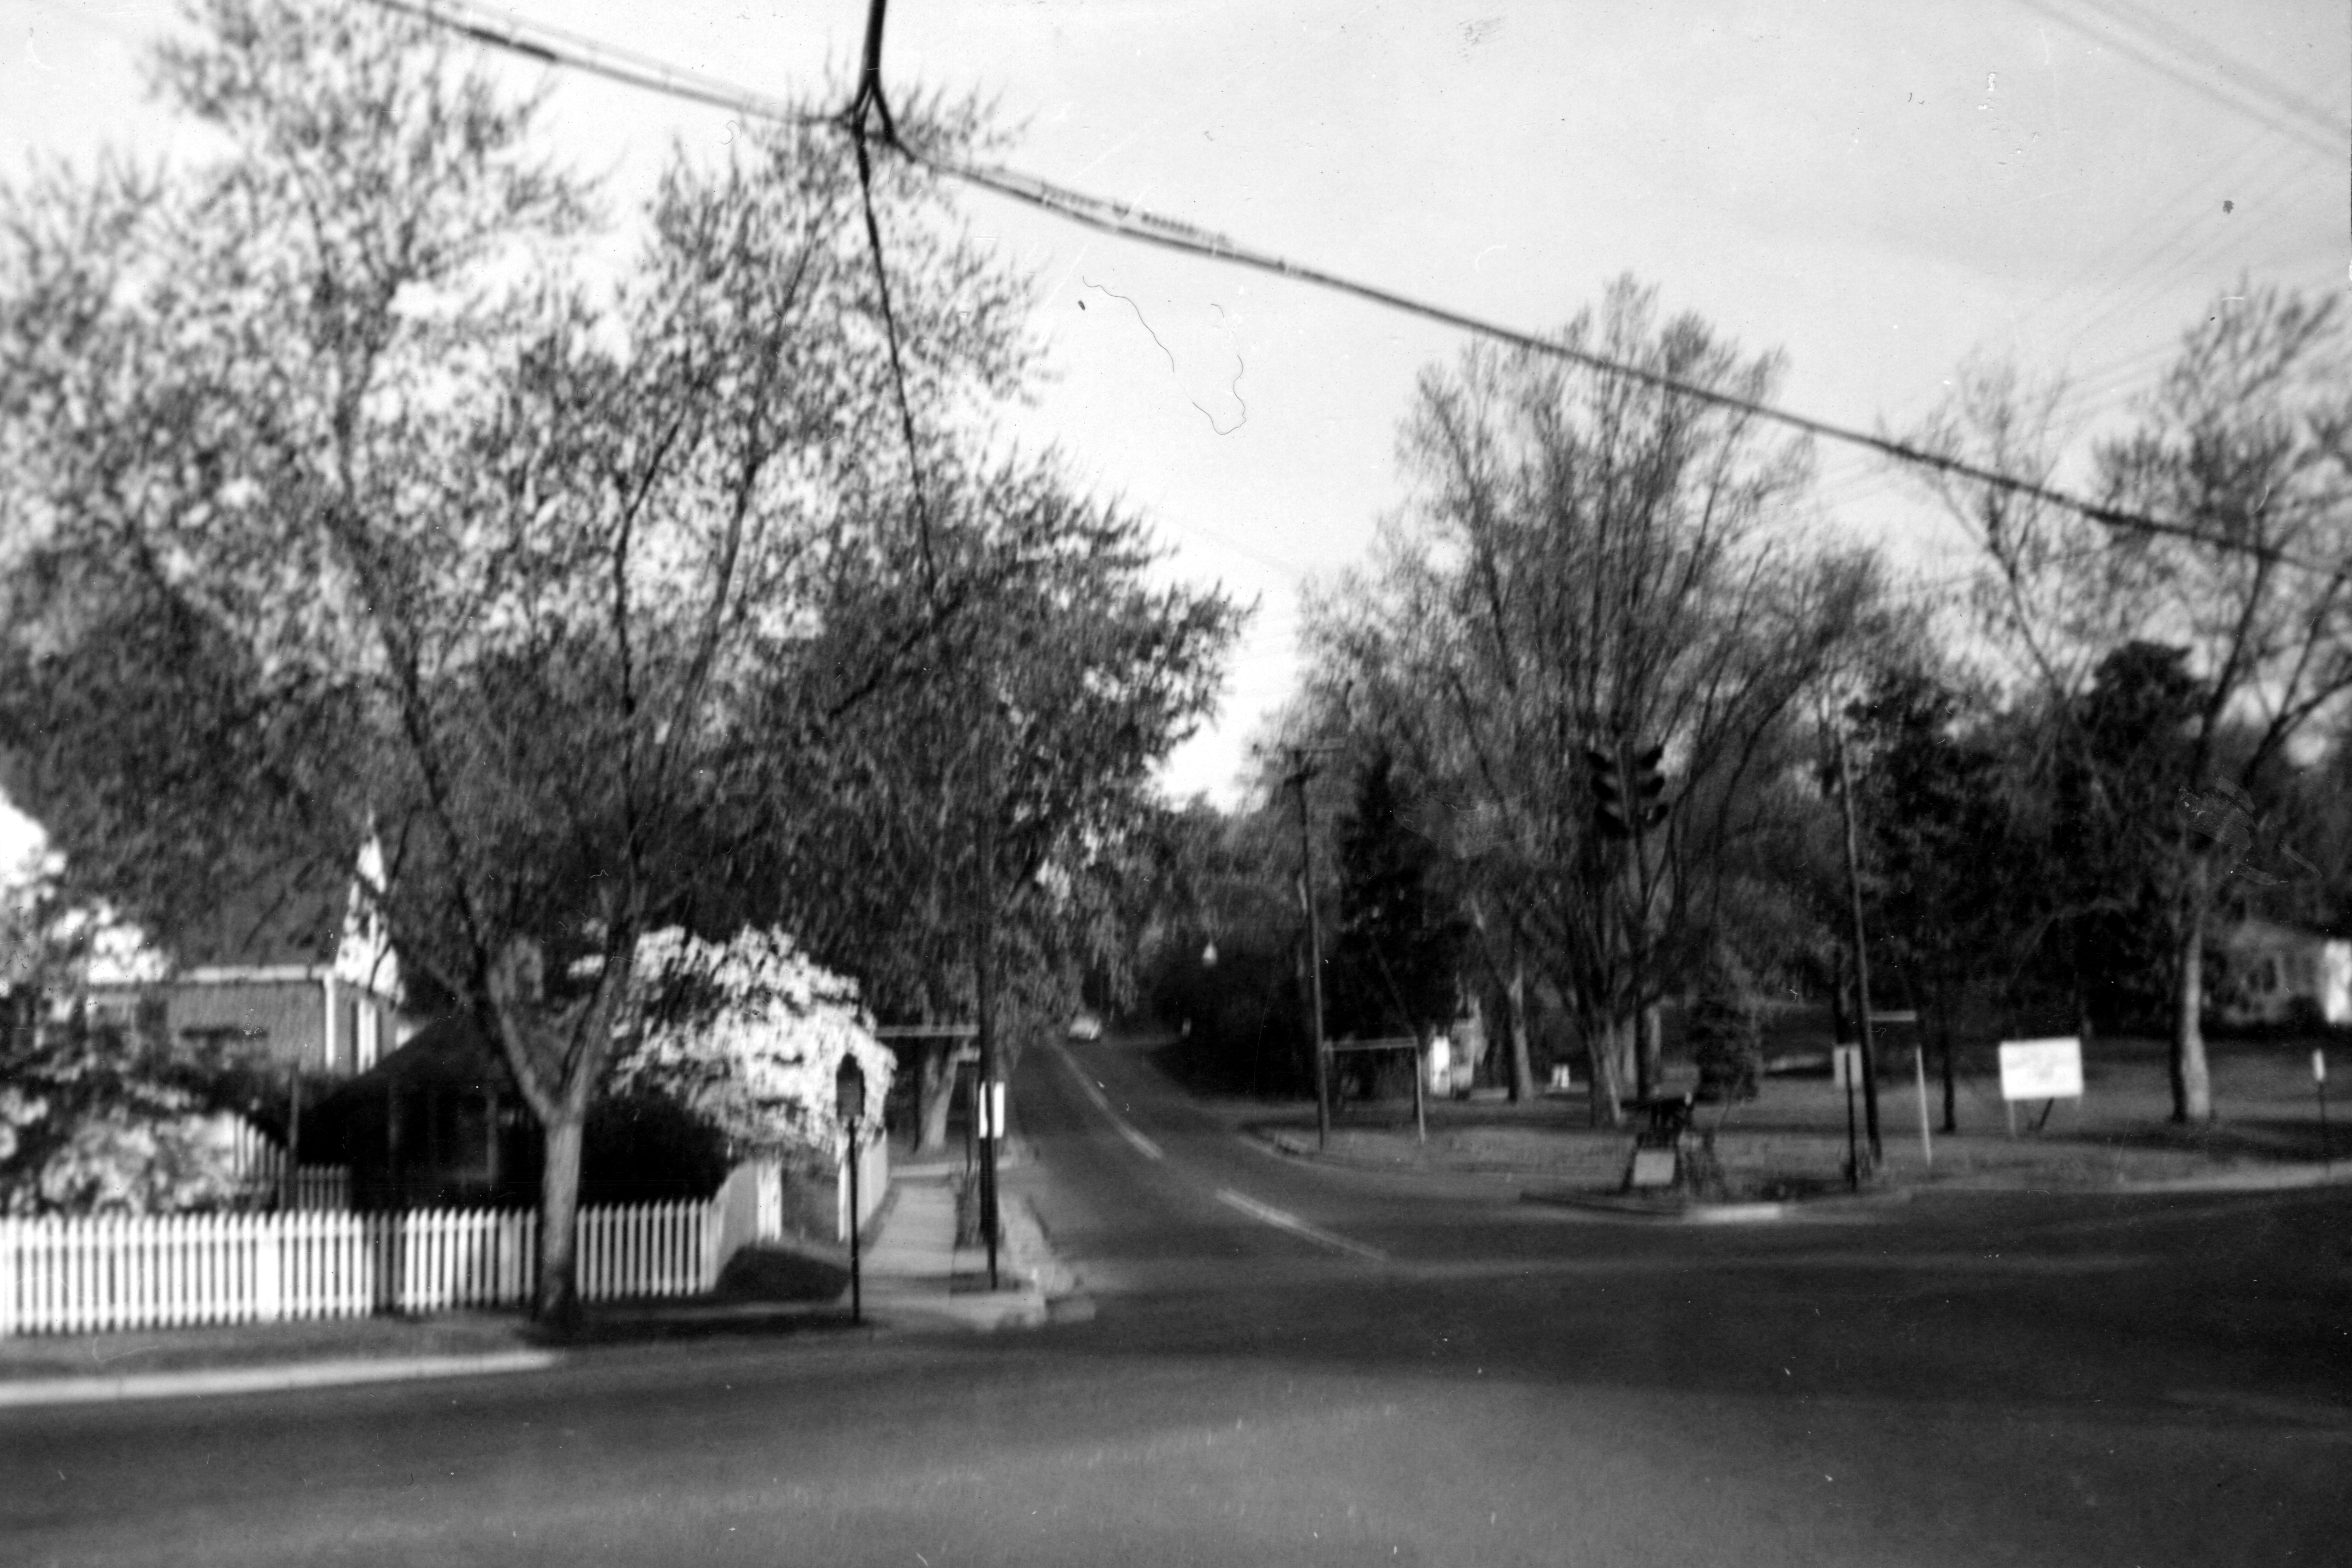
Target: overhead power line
x: 1132, y: 221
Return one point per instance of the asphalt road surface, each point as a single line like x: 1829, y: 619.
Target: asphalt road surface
x: 1293, y: 1365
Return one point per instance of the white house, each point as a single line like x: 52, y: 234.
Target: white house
x: 2266, y: 969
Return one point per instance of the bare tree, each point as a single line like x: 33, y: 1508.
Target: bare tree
x: 2241, y: 448
x: 1590, y: 562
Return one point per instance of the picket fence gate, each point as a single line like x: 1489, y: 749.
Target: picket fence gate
x: 82, y: 1274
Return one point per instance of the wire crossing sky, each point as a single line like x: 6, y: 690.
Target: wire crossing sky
x: 1135, y: 223
x: 1879, y: 192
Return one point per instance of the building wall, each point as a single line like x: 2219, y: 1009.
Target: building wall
x: 287, y: 1020
x: 284, y: 1019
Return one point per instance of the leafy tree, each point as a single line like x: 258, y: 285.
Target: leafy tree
x: 2119, y: 807
x: 749, y: 1036
x: 1398, y: 944
x: 1064, y: 675
x: 333, y: 504
x: 1725, y: 1030
x: 1938, y: 848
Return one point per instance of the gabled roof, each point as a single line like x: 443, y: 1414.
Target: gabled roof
x: 2253, y: 931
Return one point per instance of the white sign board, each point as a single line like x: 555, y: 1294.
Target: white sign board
x: 1846, y: 1066
x: 1654, y: 1168
x: 2041, y: 1070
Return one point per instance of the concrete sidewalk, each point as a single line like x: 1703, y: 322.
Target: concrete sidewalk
x: 914, y: 1277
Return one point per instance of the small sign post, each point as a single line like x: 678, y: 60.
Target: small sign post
x: 1919, y: 1070
x: 2319, y: 1083
x: 1845, y: 1069
x: 2047, y: 1070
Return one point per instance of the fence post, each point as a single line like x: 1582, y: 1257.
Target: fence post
x: 9, y: 1231
x: 268, y: 1280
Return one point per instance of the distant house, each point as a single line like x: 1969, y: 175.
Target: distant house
x: 305, y: 978
x: 438, y: 1123
x: 2263, y: 972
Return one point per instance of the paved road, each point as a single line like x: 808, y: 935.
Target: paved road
x: 1293, y: 1364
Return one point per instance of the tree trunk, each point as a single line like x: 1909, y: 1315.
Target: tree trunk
x: 1838, y: 1033
x: 1523, y: 1071
x: 1943, y: 992
x: 1602, y: 1047
x: 936, y: 1085
x: 1650, y: 1062
x: 2192, y: 1084
x: 557, y: 1307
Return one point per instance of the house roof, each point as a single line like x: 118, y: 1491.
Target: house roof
x: 450, y: 1054
x: 2253, y: 931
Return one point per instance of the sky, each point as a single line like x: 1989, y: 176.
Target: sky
x: 1879, y: 192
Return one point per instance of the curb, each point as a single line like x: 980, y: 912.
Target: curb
x: 2253, y: 1179
x: 2281, y: 1177
x: 982, y: 1312
x: 267, y: 1379
x: 1671, y: 1212
x: 1289, y: 1148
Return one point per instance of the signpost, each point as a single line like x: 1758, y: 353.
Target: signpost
x: 1919, y: 1070
x: 2319, y: 1082
x: 850, y: 1093
x: 1846, y: 1071
x: 2049, y: 1070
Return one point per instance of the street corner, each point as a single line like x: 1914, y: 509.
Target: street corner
x: 979, y: 1310
x: 1033, y: 1256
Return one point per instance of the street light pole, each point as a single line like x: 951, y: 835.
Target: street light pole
x: 1300, y: 772
x: 849, y: 1096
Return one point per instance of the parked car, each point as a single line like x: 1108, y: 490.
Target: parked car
x: 1086, y: 1026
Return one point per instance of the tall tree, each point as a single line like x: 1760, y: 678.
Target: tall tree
x: 1065, y: 674
x: 334, y: 504
x: 1400, y: 939
x: 1930, y: 797
x: 2240, y: 453
x: 1591, y: 562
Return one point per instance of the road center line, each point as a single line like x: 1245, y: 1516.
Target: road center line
x: 1143, y: 1146
x: 1281, y: 1220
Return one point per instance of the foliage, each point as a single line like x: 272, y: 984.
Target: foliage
x: 1397, y: 958
x: 91, y: 1122
x: 1585, y: 561
x: 749, y: 1034
x: 1938, y: 854
x: 337, y: 504
x: 1067, y: 673
x: 1726, y: 1031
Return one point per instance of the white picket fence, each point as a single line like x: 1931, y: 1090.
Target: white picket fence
x: 78, y: 1275
x: 260, y: 1166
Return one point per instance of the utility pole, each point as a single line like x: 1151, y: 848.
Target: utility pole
x: 1301, y: 772
x: 1860, y: 953
x: 985, y: 1111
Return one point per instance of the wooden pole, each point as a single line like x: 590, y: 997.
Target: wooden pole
x: 1860, y: 953
x: 1920, y: 1067
x: 857, y: 1302
x: 1420, y: 1092
x: 986, y: 982
x: 1300, y: 774
x: 286, y: 1182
